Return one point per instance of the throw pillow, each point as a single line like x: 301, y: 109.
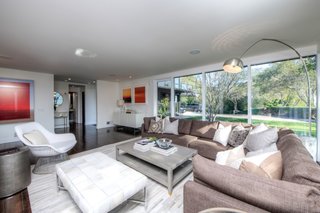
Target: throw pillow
x: 35, y: 137
x: 260, y: 128
x: 222, y: 134
x: 261, y: 140
x: 171, y: 127
x: 155, y: 126
x: 270, y: 166
x: 238, y: 136
x: 229, y: 156
x: 272, y: 148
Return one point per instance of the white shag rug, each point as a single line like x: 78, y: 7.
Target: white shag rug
x: 45, y: 197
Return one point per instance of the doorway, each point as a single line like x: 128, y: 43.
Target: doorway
x: 77, y: 104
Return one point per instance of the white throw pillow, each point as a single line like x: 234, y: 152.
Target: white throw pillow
x: 229, y: 156
x: 261, y: 140
x: 222, y: 134
x: 35, y: 137
x: 272, y: 148
x: 170, y: 127
x: 260, y: 128
x: 258, y: 159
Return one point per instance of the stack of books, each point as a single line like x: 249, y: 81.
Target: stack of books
x: 143, y: 145
x: 164, y: 151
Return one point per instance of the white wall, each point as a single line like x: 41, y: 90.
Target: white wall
x: 146, y: 108
x: 63, y: 88
x: 91, y: 104
x: 107, y: 96
x: 43, y: 92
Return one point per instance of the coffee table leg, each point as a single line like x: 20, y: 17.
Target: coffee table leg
x: 170, y: 181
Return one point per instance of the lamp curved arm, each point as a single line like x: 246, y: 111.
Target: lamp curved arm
x: 239, y: 62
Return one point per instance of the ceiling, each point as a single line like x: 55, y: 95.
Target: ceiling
x: 141, y: 38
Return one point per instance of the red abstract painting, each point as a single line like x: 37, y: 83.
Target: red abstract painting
x: 140, y: 95
x: 126, y: 95
x: 16, y: 101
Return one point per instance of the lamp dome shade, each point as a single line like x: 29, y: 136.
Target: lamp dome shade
x: 233, y: 65
x: 120, y: 103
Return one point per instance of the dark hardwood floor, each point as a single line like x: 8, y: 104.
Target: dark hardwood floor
x: 88, y: 137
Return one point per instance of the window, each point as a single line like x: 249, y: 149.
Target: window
x: 280, y: 94
x: 187, y: 97
x: 164, y: 93
x: 278, y: 97
x: 226, y: 96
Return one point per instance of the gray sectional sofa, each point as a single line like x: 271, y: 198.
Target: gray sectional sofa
x: 298, y: 190
x: 216, y: 185
x: 194, y: 134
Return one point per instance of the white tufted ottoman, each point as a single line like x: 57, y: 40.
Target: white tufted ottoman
x: 98, y: 183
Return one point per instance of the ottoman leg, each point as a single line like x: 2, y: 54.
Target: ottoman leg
x: 144, y: 201
x: 59, y: 184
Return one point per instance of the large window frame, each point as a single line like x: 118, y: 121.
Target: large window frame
x: 249, y: 92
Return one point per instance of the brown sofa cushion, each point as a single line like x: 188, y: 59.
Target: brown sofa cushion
x: 203, y: 129
x: 298, y: 165
x: 198, y: 197
x: 207, y: 148
x: 265, y: 193
x: 184, y: 125
x: 182, y: 140
x: 146, y: 121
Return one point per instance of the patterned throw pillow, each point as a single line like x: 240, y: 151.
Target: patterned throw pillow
x: 155, y: 126
x: 238, y: 136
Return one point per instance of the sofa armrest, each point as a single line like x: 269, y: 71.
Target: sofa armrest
x: 143, y: 128
x: 265, y: 193
x: 197, y: 197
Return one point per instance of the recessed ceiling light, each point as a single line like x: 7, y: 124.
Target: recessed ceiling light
x: 194, y: 52
x: 84, y: 53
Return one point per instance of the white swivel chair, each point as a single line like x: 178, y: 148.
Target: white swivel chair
x: 56, y: 144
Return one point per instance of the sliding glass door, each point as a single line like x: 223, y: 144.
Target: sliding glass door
x: 188, y: 96
x: 163, y: 97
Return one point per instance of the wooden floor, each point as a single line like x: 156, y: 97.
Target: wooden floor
x: 88, y: 138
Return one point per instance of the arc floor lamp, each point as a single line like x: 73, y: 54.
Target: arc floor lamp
x: 235, y: 65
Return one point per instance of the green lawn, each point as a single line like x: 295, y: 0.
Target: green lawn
x: 300, y: 128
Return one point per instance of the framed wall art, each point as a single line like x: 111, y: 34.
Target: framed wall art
x: 16, y: 100
x: 126, y: 95
x: 140, y: 95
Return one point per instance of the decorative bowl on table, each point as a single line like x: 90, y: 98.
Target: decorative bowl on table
x: 163, y: 143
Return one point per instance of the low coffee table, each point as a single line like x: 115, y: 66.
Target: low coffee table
x: 166, y: 170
